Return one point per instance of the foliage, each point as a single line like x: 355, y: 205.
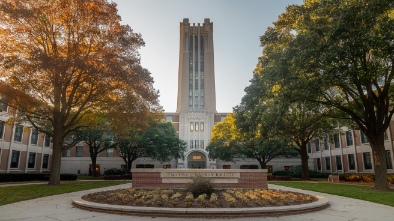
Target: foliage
x: 228, y: 142
x: 337, y: 54
x: 63, y: 59
x: 21, y: 177
x: 158, y: 141
x: 369, y: 178
x: 362, y: 192
x: 114, y: 171
x: 296, y: 172
x: 12, y: 194
x: 199, y: 186
x: 230, y: 198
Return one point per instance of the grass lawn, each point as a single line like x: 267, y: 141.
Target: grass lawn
x: 363, y: 192
x: 11, y: 194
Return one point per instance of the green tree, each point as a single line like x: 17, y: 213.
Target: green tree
x: 65, y: 59
x: 340, y: 54
x: 159, y: 141
x: 228, y: 142
x: 98, y: 140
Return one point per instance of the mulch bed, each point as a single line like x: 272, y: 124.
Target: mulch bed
x: 179, y: 198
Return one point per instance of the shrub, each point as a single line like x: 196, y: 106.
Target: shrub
x: 114, y: 171
x: 200, y: 185
x: 281, y: 173
x: 118, y: 177
x: 349, y: 177
x: 22, y: 177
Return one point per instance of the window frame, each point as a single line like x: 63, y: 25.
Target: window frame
x: 328, y: 163
x: 32, y: 165
x: 13, y: 164
x: 349, y: 142
x: 18, y: 133
x: 351, y: 163
x: 45, y: 161
x: 79, y: 153
x: 34, y: 135
x: 338, y: 161
x: 367, y: 160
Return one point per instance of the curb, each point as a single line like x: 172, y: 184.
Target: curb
x: 322, y: 203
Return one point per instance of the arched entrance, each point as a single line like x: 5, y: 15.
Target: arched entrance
x: 196, y: 160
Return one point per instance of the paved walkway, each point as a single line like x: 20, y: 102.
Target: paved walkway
x: 59, y: 208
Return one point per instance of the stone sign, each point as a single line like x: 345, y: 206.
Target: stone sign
x: 221, y: 178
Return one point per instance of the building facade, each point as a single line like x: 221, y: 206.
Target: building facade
x: 22, y: 148
x: 348, y: 151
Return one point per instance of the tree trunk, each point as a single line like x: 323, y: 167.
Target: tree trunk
x: 129, y: 166
x: 380, y: 163
x: 304, y: 161
x: 57, y: 142
x: 93, y: 157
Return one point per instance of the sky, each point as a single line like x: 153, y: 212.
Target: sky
x: 237, y: 27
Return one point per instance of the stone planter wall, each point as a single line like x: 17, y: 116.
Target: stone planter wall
x: 221, y: 178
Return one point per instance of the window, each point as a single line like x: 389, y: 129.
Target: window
x: 196, y: 126
x: 386, y: 135
x: 79, y: 150
x: 326, y: 143
x: 197, y: 143
x: 364, y: 138
x: 169, y: 118
x: 45, y: 161
x: 339, y: 162
x: 352, y: 163
x: 47, y: 141
x: 349, y: 138
x: 191, y: 144
x: 328, y: 163
x: 1, y: 129
x: 309, y: 147
x: 110, y: 152
x: 226, y: 166
x: 388, y: 159
x: 202, y: 144
x: 32, y: 160
x: 318, y: 162
x: 66, y: 153
x: 202, y: 126
x: 18, y: 133
x: 34, y: 137
x: 367, y: 161
x: 222, y: 118
x: 317, y: 145
x: 337, y: 143
x: 15, y: 159
x: 191, y: 126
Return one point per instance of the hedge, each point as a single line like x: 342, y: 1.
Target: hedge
x: 21, y: 177
x: 363, y: 178
x: 296, y: 172
x: 118, y: 177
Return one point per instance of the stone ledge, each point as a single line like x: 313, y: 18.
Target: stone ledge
x: 322, y: 203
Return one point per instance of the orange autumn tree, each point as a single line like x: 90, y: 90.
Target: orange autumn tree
x: 71, y: 57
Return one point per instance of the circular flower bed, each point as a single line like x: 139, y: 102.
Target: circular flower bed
x: 230, y: 198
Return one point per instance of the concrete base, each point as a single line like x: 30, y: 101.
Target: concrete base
x: 322, y: 203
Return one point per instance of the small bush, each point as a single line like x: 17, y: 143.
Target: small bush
x: 22, y: 177
x: 118, y: 177
x: 200, y: 185
x: 114, y: 171
x: 369, y: 178
x: 281, y: 173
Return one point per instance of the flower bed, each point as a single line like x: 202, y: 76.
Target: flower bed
x: 179, y: 198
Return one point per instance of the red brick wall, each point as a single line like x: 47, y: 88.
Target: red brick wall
x: 249, y: 179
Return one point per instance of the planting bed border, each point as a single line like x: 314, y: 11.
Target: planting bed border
x: 322, y: 203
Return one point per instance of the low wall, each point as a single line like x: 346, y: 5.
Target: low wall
x: 221, y: 178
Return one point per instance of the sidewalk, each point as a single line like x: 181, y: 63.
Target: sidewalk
x: 59, y: 208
